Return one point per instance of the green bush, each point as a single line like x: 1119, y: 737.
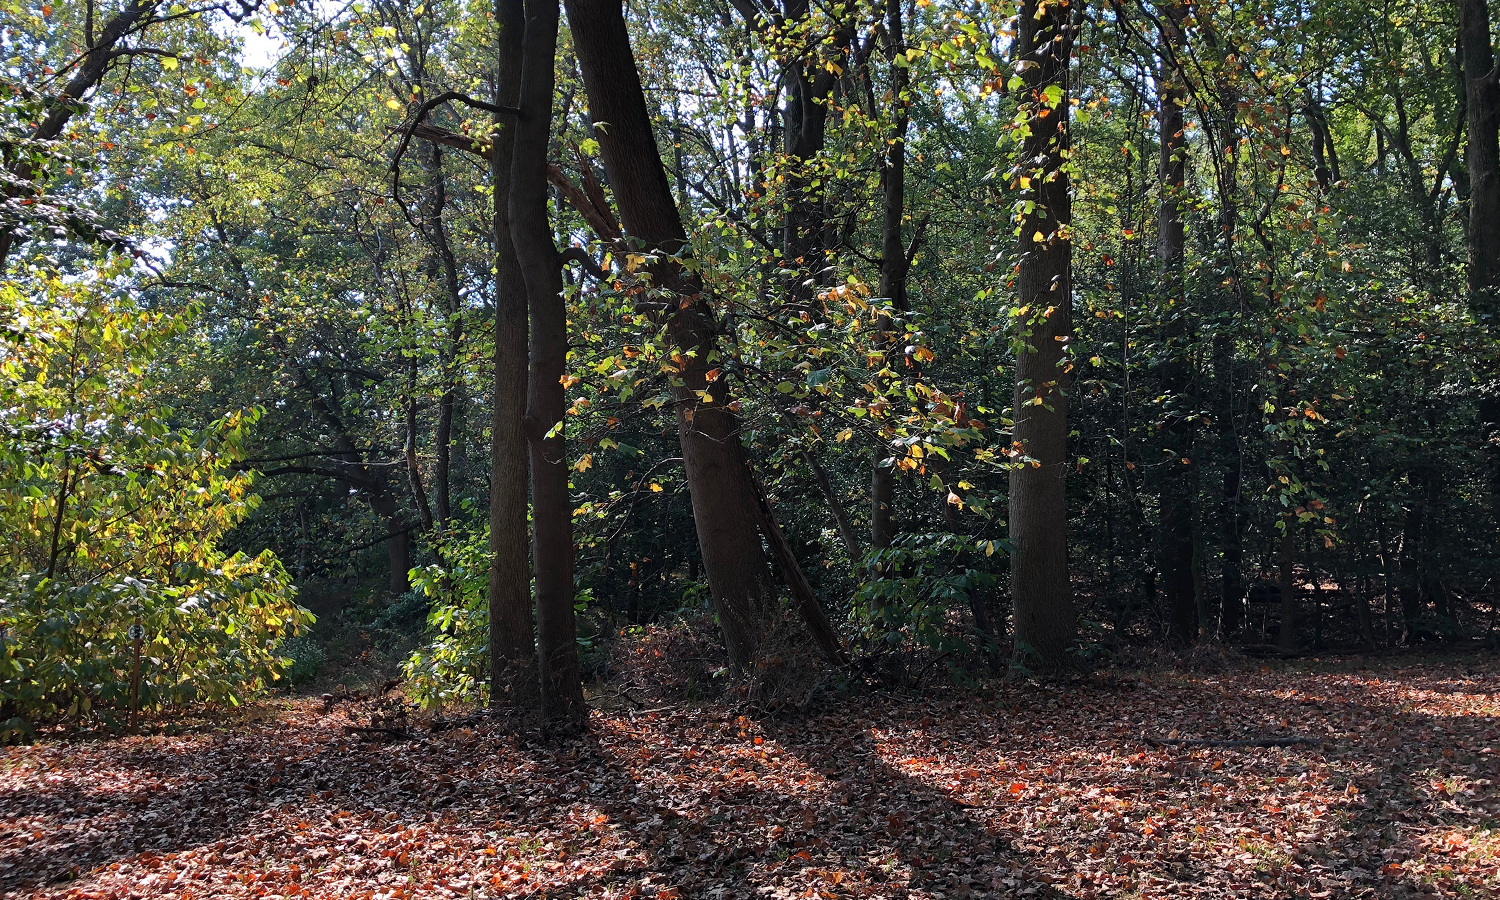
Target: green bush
x: 452, y: 666
x: 306, y: 659
x: 916, y: 584
x: 111, y: 518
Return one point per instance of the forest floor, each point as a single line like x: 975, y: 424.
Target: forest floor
x: 1009, y: 791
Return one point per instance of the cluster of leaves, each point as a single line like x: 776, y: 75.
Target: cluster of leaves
x: 452, y: 667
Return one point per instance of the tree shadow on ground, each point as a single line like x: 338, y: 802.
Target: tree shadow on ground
x: 1019, y: 790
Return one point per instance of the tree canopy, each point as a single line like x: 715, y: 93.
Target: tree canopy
x: 995, y: 336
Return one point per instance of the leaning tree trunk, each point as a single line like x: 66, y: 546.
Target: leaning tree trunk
x: 1040, y: 590
x: 719, y: 481
x: 1175, y: 543
x: 513, y: 678
x: 546, y: 400
x: 1482, y: 81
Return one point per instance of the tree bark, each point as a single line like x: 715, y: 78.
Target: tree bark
x: 894, y: 264
x: 445, y: 266
x: 546, y: 400
x: 397, y: 543
x: 823, y: 633
x: 723, y: 496
x: 1286, y: 547
x: 1175, y: 543
x: 1412, y: 578
x: 1286, y: 558
x: 513, y: 678
x: 803, y: 58
x: 1041, y: 592
x: 1482, y: 84
x: 1231, y: 563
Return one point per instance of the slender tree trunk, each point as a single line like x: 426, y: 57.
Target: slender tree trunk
x: 442, y: 470
x: 1175, y: 543
x: 57, y: 518
x: 1231, y: 455
x: 1411, y: 581
x: 1482, y: 84
x: 809, y: 84
x: 894, y: 265
x: 1231, y: 565
x: 413, y: 466
x: 1286, y: 546
x: 546, y: 401
x: 398, y: 546
x: 436, y: 231
x: 724, y: 499
x: 1360, y: 596
x: 513, y: 678
x: 1044, y: 615
x: 1324, y: 152
x: 1286, y: 559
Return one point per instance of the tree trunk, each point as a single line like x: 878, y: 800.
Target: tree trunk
x: 1324, y: 152
x: 894, y: 264
x: 1412, y: 581
x: 397, y: 544
x: 1483, y: 156
x: 1231, y: 564
x: 1175, y: 550
x: 723, y: 498
x: 1044, y: 615
x: 1286, y: 558
x: 812, y: 613
x: 446, y: 266
x: 1286, y: 547
x: 835, y: 506
x: 1234, y: 302
x: 546, y: 400
x: 513, y: 678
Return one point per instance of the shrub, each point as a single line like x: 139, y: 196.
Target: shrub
x: 112, y: 518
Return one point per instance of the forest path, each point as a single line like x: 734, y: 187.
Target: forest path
x: 1006, y: 792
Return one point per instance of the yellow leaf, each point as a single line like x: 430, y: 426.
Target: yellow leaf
x: 584, y: 462
x: 844, y: 435
x: 656, y: 488
x: 393, y: 104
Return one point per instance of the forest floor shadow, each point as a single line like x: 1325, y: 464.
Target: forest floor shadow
x: 1015, y: 790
